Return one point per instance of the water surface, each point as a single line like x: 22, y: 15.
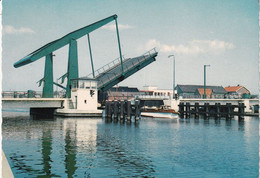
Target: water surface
x: 80, y: 147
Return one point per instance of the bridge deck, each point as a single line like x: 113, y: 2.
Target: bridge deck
x: 111, y: 74
x: 32, y: 102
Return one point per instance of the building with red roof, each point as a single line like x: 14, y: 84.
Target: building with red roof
x: 236, y: 91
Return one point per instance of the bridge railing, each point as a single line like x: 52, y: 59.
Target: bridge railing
x: 117, y: 62
x: 152, y: 97
x: 106, y: 67
x: 129, y: 63
x: 28, y: 94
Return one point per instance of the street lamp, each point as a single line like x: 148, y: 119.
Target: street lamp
x: 204, y: 95
x: 173, y: 73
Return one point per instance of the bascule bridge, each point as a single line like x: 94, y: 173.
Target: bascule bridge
x: 107, y: 76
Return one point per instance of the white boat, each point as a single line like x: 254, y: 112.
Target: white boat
x: 163, y: 112
x: 159, y: 115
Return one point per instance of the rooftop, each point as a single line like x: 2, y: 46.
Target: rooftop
x: 193, y: 88
x: 124, y: 89
x: 201, y: 91
x: 232, y: 88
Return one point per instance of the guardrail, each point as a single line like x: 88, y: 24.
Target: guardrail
x: 128, y: 66
x: 106, y: 67
x: 152, y: 97
x: 117, y: 62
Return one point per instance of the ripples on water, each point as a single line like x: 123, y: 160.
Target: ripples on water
x: 78, y: 147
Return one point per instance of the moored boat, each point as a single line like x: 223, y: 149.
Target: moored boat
x: 162, y: 112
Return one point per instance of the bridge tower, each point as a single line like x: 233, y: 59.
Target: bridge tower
x: 72, y: 70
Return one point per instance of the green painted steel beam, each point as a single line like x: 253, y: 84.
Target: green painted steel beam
x: 72, y: 66
x: 119, y: 47
x: 48, y: 77
x: 128, y: 73
x: 59, y: 85
x: 54, y: 45
x: 90, y: 53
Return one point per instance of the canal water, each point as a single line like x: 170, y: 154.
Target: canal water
x: 78, y: 147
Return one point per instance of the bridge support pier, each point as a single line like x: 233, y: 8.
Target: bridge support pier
x: 48, y: 77
x: 73, y: 72
x: 44, y: 113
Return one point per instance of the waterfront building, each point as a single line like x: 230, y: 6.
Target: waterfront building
x: 237, y: 91
x: 122, y: 93
x: 155, y: 92
x: 200, y: 92
x: 197, y: 91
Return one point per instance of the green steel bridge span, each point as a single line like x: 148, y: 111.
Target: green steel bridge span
x: 110, y: 74
x: 107, y: 76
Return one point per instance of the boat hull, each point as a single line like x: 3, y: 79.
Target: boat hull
x: 159, y: 115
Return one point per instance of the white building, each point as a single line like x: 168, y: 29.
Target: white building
x: 84, y: 93
x: 155, y: 92
x: 83, y: 101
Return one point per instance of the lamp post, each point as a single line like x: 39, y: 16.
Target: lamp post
x: 173, y: 94
x: 204, y: 94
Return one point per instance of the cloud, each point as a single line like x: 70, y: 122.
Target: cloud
x: 193, y: 47
x: 120, y: 26
x: 8, y: 29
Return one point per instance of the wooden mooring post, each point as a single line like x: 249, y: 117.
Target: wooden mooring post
x: 217, y: 110
x: 123, y: 108
x: 188, y: 112
x: 181, y: 109
x: 230, y: 110
x: 116, y: 110
x: 129, y: 110
x: 206, y: 110
x: 196, y: 110
x: 241, y: 110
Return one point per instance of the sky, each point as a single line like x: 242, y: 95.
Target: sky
x: 222, y: 34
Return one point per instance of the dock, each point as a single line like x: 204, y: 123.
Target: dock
x: 122, y: 109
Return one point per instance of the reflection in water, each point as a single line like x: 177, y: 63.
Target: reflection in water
x: 228, y: 124
x: 206, y: 122
x: 217, y: 122
x: 71, y: 152
x: 46, y: 150
x: 154, y: 147
x: 196, y: 121
x: 80, y: 145
x: 118, y: 154
x: 19, y: 164
x: 120, y: 157
x: 241, y: 125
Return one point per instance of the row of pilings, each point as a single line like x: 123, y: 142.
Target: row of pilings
x: 227, y: 110
x: 122, y: 110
